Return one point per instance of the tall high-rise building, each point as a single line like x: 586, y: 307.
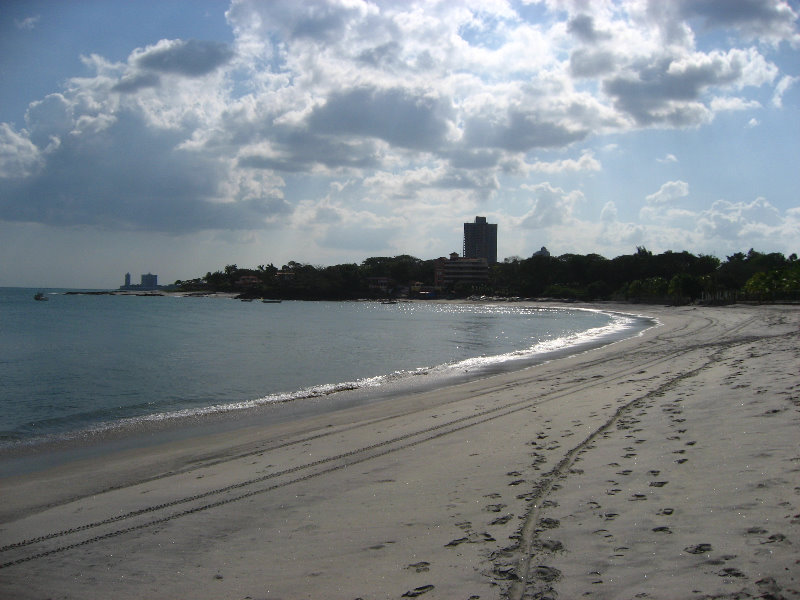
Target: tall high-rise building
x: 480, y: 240
x: 149, y: 282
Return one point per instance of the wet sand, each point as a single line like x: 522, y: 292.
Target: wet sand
x: 664, y: 466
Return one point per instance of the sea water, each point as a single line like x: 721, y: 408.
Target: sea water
x: 77, y: 365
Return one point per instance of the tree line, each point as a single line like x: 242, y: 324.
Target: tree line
x: 675, y: 277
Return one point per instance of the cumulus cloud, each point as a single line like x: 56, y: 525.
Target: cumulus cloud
x: 668, y: 193
x: 19, y: 157
x: 783, y: 85
x: 191, y: 58
x: 550, y: 206
x: 584, y: 28
x: 441, y: 105
x: 586, y: 162
x: 106, y: 180
x: 398, y: 116
x: 739, y: 220
x: 667, y: 91
x: 609, y: 212
x: 766, y: 19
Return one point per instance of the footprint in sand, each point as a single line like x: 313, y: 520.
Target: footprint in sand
x: 420, y: 567
x: 756, y: 530
x: 502, y: 520
x: 699, y: 549
x: 552, y: 546
x: 548, y: 523
x: 546, y: 574
x: 418, y: 591
x: 731, y: 572
x: 662, y: 529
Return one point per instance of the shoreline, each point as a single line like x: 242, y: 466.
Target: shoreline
x: 663, y: 465
x: 50, y: 450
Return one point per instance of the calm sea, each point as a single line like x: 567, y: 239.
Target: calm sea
x: 76, y: 365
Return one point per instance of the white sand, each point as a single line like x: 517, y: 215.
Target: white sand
x: 665, y: 466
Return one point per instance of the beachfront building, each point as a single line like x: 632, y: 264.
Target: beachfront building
x: 148, y: 282
x: 449, y: 271
x: 480, y: 240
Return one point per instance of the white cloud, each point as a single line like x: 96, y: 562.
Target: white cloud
x: 586, y: 162
x: 668, y: 193
x: 433, y: 107
x: 28, y: 23
x: 669, y: 158
x: 550, y: 206
x: 784, y: 84
x: 740, y: 220
x: 609, y: 212
x: 19, y: 157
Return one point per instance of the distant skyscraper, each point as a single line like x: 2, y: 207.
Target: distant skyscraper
x: 480, y: 240
x: 149, y: 281
x: 127, y: 280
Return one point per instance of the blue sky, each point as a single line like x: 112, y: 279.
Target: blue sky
x: 177, y: 137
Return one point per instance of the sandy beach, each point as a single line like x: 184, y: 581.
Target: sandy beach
x: 664, y: 466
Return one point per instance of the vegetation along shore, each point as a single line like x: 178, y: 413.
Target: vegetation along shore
x: 671, y: 277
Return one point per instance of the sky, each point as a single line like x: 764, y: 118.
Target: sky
x: 182, y: 136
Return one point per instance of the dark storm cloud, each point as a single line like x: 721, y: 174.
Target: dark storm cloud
x: 646, y: 94
x: 582, y: 26
x: 299, y: 152
x: 317, y: 21
x: 136, y: 82
x: 185, y: 57
x: 756, y: 17
x: 590, y: 63
x: 522, y: 131
x: 129, y: 177
x: 395, y: 115
x: 465, y: 158
x: 384, y: 55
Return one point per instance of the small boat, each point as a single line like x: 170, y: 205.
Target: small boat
x: 389, y: 302
x: 40, y: 297
x: 268, y: 301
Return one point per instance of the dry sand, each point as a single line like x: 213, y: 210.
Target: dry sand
x: 665, y: 466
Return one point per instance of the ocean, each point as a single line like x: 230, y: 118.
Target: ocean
x: 79, y: 366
